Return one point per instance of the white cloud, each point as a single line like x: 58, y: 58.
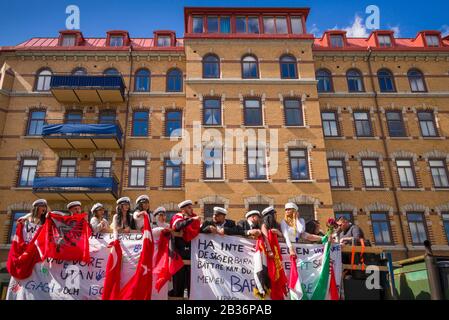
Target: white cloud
x: 445, y: 30
x: 314, y: 30
x: 357, y: 29
x: 397, y: 31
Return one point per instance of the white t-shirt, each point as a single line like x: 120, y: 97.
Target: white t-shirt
x: 289, y: 232
x: 95, y: 223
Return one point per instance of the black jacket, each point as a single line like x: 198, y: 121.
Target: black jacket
x: 230, y: 228
x: 244, y: 225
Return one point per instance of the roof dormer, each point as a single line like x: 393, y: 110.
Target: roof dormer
x: 382, y: 39
x: 164, y: 38
x: 335, y: 39
x: 429, y: 39
x: 117, y: 38
x: 70, y: 38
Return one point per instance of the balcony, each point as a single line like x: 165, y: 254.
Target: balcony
x: 85, y: 135
x: 88, y: 88
x: 77, y: 187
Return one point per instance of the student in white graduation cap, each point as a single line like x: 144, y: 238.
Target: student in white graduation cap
x: 220, y: 225
x: 294, y: 228
x: 123, y: 221
x: 251, y: 225
x: 142, y: 207
x: 160, y: 218
x: 37, y: 215
x: 98, y: 222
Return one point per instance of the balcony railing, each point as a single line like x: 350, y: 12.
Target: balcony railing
x: 88, y: 88
x: 61, y: 134
x: 79, y: 186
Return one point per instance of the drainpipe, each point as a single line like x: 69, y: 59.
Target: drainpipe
x: 125, y: 135
x: 387, y: 152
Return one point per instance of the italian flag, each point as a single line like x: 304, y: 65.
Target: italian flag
x: 326, y: 286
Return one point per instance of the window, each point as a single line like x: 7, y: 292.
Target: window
x: 306, y: 211
x: 324, y: 78
x: 438, y: 168
x: 253, y: 25
x: 142, y: 81
x: 111, y: 72
x: 297, y: 27
x: 67, y: 168
x: 28, y: 170
x: 337, y: 173
x: 346, y: 214
x: 140, y: 124
x: 198, y: 25
x: 362, y: 124
x: 209, y: 210
x: 299, y: 164
x: 43, y: 80
x: 445, y: 217
x: 247, y: 24
x: 432, y: 41
x: 74, y: 117
x: 250, y: 67
x: 253, y: 113
x: 273, y: 25
x: 173, y: 124
x: 355, y: 81
x: 212, y: 24
x: 103, y: 168
x: 16, y: 215
x: 289, y: 68
x: 164, y: 41
x: 213, y: 163
x: 386, y: 81
x: 69, y: 40
x: 417, y: 227
x: 36, y: 123
x: 212, y: 112
x: 137, y: 173
x: 416, y: 80
x: 384, y: 41
x: 79, y: 72
x: 381, y: 228
x: 293, y: 112
x: 371, y: 173
x: 172, y: 173
x: 174, y: 81
x: 337, y: 41
x: 107, y: 117
x: 330, y: 124
x: 395, y: 124
x: 406, y: 173
x: 225, y: 24
x: 256, y: 163
x: 427, y: 124
x: 211, y: 66
x: 116, y: 41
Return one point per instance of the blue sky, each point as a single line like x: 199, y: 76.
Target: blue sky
x: 41, y: 18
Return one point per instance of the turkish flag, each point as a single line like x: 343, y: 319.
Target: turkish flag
x: 111, y: 289
x: 22, y: 257
x: 65, y: 238
x: 139, y: 287
x: 168, y: 261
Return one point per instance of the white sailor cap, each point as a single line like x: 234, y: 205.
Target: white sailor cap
x: 96, y: 207
x: 143, y: 198
x: 219, y: 210
x: 291, y: 205
x: 252, y: 213
x: 185, y: 204
x: 73, y: 204
x: 268, y: 210
x: 123, y: 200
x: 159, y: 210
x: 40, y: 202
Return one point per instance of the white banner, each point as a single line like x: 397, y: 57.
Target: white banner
x: 222, y: 267
x: 63, y: 280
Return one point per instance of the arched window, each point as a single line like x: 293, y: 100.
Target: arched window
x: 79, y: 72
x: 386, y: 81
x: 289, y: 69
x: 324, y: 78
x: 211, y: 66
x: 111, y: 72
x: 355, y: 81
x: 43, y: 80
x: 142, y: 80
x: 174, y: 80
x: 416, y: 79
x: 250, y: 67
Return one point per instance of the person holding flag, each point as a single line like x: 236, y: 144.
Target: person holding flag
x: 189, y: 224
x: 37, y: 215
